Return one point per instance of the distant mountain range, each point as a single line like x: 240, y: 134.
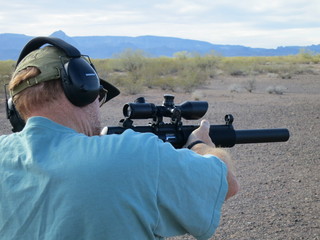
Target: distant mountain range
x: 155, y: 46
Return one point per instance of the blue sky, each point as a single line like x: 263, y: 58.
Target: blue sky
x: 254, y: 23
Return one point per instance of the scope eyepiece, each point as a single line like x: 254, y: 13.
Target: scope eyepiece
x: 139, y: 110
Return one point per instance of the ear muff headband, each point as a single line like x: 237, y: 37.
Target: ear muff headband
x: 38, y: 42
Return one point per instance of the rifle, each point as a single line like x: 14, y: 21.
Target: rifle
x: 177, y: 134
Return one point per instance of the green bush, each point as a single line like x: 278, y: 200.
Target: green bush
x: 6, y: 70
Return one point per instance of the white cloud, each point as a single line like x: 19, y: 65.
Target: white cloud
x: 264, y: 23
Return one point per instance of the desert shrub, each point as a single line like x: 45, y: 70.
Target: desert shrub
x: 134, y: 70
x: 131, y: 60
x: 235, y: 88
x: 132, y: 89
x: 132, y: 63
x: 198, y: 95
x: 250, y: 85
x: 126, y: 83
x: 166, y: 83
x: 157, y: 70
x: 103, y: 66
x: 195, y: 70
x: 279, y: 90
x: 208, y: 64
x: 284, y: 66
x: 190, y: 78
x: 307, y: 56
x: 182, y: 55
x: 6, y: 69
x: 236, y: 66
x: 184, y: 72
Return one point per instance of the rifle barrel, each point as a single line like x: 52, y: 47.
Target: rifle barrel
x: 262, y: 135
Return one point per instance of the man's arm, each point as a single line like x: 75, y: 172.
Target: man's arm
x: 208, y: 147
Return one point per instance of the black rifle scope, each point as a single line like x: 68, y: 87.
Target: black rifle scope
x: 190, y: 110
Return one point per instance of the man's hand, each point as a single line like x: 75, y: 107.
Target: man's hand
x: 208, y: 147
x: 104, y: 131
x: 202, y: 134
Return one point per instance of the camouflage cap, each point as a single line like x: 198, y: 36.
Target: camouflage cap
x: 48, y: 60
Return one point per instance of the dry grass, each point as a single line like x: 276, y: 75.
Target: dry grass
x: 133, y: 71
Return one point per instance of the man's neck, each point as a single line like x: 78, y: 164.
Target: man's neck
x: 66, y: 114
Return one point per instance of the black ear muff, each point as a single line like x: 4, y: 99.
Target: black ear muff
x: 80, y: 82
x: 14, y: 117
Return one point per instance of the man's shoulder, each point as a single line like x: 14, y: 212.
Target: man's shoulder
x: 131, y: 142
x: 8, y: 138
x: 133, y: 136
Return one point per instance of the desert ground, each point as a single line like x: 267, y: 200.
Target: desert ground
x: 280, y: 182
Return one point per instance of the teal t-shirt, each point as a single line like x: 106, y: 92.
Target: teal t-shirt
x: 58, y: 184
